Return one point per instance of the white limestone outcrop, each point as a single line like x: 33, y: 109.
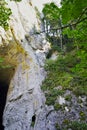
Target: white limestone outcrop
x: 25, y: 98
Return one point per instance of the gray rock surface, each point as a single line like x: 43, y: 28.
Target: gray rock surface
x: 25, y: 98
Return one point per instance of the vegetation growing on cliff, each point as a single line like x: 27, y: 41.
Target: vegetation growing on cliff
x: 75, y: 125
x: 5, y: 13
x: 68, y: 27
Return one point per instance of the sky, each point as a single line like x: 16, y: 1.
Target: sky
x: 40, y: 3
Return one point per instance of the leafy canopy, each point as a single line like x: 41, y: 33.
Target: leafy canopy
x: 73, y: 9
x: 70, y: 69
x: 51, y: 11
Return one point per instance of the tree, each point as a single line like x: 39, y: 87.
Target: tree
x: 73, y: 10
x: 51, y: 15
x: 73, y: 14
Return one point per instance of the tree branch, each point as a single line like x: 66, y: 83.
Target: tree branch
x: 83, y: 12
x: 65, y: 26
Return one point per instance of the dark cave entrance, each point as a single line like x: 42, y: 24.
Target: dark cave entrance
x: 33, y: 120
x: 3, y: 95
x: 5, y: 78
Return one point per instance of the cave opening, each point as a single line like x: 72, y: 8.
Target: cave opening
x: 33, y: 120
x: 3, y: 95
x: 5, y: 77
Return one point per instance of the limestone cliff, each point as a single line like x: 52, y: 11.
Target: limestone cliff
x: 22, y: 67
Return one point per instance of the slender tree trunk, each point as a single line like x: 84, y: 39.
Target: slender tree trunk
x: 61, y: 42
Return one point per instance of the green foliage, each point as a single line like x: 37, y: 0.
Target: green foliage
x: 73, y: 9
x: 51, y: 11
x: 78, y: 126
x: 70, y: 69
x: 74, y: 125
x: 68, y: 80
x: 51, y: 14
x: 62, y: 72
x: 2, y: 66
x: 57, y: 106
x: 82, y: 115
x: 66, y: 122
x: 68, y: 97
x: 52, y: 95
x: 57, y: 126
x: 1, y: 59
x: 5, y: 13
x: 32, y: 124
x: 5, y: 66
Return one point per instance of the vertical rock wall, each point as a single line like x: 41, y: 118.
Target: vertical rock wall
x: 25, y: 52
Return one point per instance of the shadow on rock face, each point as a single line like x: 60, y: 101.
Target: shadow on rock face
x: 3, y: 95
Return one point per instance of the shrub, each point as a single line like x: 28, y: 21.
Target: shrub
x: 78, y: 126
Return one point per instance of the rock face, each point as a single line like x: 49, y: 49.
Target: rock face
x: 24, y: 56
